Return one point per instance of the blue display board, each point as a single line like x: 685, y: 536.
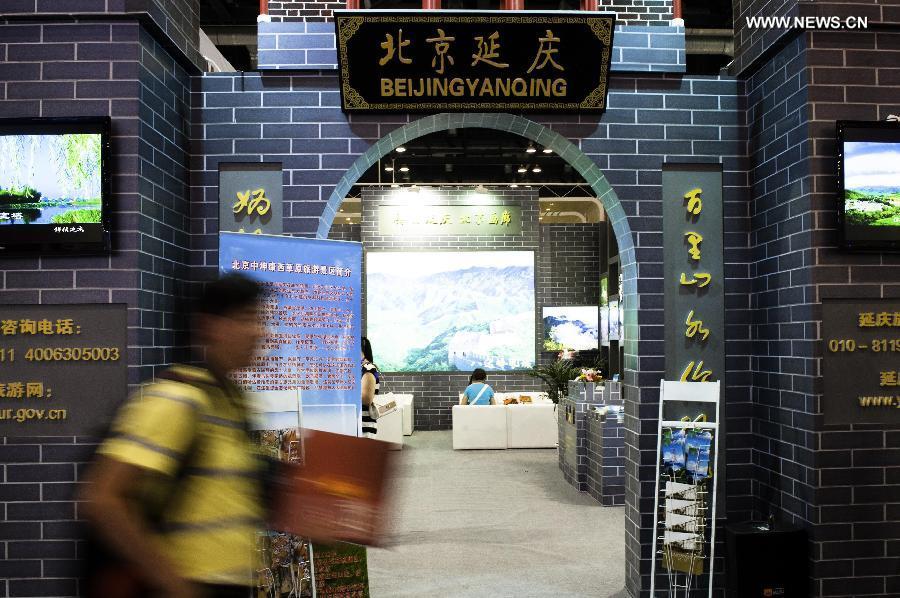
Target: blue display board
x: 312, y: 314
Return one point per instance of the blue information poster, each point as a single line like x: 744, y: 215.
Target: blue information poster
x: 312, y: 315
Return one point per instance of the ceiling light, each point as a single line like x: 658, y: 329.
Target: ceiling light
x: 395, y: 185
x: 348, y: 220
x: 404, y: 169
x: 401, y: 149
x: 522, y: 170
x: 528, y: 186
x: 536, y: 169
x: 514, y: 186
x: 389, y: 168
x: 480, y: 188
x: 547, y: 150
x: 531, y: 149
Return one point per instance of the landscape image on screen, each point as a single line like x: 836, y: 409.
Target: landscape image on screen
x: 614, y: 324
x: 50, y: 179
x: 872, y: 183
x: 451, y: 311
x: 604, y: 325
x: 571, y: 328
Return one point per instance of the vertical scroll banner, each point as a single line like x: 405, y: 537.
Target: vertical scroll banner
x: 250, y: 197
x: 861, y: 364
x: 312, y: 320
x: 694, y: 270
x: 63, y: 368
x: 511, y: 61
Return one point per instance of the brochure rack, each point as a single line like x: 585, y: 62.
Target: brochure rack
x: 684, y: 523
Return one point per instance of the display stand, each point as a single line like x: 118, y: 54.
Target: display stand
x: 684, y: 523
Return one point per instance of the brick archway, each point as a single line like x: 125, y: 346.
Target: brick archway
x: 594, y: 177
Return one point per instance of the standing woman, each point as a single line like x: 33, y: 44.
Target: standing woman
x: 371, y: 380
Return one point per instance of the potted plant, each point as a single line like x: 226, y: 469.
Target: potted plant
x: 556, y: 376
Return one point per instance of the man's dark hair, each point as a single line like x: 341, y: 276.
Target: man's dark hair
x: 367, y: 349
x: 229, y: 293
x: 479, y: 375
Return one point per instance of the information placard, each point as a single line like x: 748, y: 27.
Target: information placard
x: 861, y: 363
x: 312, y: 319
x: 63, y: 368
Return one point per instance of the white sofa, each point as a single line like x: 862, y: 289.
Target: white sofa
x: 479, y: 427
x: 405, y: 403
x: 531, y: 426
x: 390, y: 429
x: 502, y: 426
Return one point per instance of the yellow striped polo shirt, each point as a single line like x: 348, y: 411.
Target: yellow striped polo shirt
x: 209, y: 528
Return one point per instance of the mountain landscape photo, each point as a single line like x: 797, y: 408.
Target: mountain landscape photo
x: 571, y: 328
x: 451, y: 311
x: 872, y: 184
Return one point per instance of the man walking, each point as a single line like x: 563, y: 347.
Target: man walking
x: 175, y: 491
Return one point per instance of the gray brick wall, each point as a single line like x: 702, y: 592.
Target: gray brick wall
x: 345, y: 232
x: 303, y: 11
x: 855, y: 483
x: 307, y: 45
x: 751, y: 44
x: 629, y: 12
x: 177, y: 22
x: 640, y: 12
x: 605, y: 453
x: 113, y: 68
x: 836, y: 480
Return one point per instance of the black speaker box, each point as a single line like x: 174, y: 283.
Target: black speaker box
x: 766, y: 563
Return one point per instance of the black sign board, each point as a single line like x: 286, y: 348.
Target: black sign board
x: 486, y: 61
x: 62, y: 368
x: 861, y: 364
x: 694, y: 269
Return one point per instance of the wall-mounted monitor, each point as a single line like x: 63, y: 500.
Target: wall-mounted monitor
x: 604, y: 325
x: 54, y: 186
x: 869, y: 184
x: 451, y: 310
x: 572, y: 327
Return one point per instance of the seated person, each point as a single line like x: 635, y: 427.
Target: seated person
x: 477, y: 392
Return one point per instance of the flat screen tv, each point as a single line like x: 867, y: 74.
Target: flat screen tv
x: 54, y: 186
x: 614, y: 324
x: 451, y: 310
x: 574, y: 327
x: 869, y: 184
x: 604, y: 325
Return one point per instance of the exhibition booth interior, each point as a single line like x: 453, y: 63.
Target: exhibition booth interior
x: 484, y: 249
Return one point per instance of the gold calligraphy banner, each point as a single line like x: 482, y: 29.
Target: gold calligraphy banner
x: 433, y: 60
x: 479, y: 220
x: 694, y: 272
